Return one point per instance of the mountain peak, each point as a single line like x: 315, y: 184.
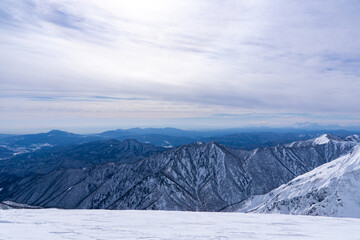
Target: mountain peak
x: 354, y: 138
x: 58, y: 132
x: 202, y: 145
x: 325, y: 138
x: 133, y: 142
x: 321, y: 140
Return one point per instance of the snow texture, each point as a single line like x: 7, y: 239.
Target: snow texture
x: 332, y: 189
x: 103, y: 224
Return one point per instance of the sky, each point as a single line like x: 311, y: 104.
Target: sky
x: 92, y: 65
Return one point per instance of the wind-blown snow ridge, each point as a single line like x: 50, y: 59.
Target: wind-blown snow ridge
x: 329, y: 190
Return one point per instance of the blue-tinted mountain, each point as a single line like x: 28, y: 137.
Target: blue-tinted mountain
x: 194, y: 177
x: 6, y: 135
x: 77, y: 156
x: 165, y: 137
x: 5, y: 153
x: 32, y: 142
x: 175, y: 132
x: 254, y: 140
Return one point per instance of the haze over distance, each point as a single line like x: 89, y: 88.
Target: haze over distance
x: 91, y: 66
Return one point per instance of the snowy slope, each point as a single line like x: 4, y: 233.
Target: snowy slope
x: 332, y: 189
x: 101, y: 224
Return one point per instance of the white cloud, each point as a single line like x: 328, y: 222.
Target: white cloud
x: 210, y: 56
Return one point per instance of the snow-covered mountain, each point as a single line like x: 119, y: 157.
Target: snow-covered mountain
x: 195, y: 177
x: 332, y: 189
x: 354, y: 137
x: 325, y: 139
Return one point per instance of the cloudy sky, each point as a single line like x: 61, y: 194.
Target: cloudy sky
x: 91, y: 65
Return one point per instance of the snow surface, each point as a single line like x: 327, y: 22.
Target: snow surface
x: 114, y: 224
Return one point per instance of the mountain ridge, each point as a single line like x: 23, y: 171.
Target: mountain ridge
x: 328, y: 190
x: 193, y: 177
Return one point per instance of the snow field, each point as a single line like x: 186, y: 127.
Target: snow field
x: 113, y: 224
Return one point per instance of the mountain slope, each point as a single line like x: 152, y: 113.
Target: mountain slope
x: 77, y: 156
x: 42, y: 162
x: 177, y: 179
x: 195, y: 177
x: 5, y: 153
x: 329, y: 190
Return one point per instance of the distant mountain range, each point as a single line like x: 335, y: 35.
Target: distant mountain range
x: 194, y: 177
x: 163, y: 137
x: 19, y: 144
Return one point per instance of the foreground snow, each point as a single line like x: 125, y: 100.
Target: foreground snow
x: 104, y: 224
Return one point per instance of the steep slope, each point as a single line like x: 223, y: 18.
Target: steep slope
x: 195, y: 177
x: 329, y: 190
x: 79, y: 156
x: 274, y: 166
x: 179, y: 179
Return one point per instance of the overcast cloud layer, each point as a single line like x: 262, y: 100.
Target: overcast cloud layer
x: 206, y: 63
